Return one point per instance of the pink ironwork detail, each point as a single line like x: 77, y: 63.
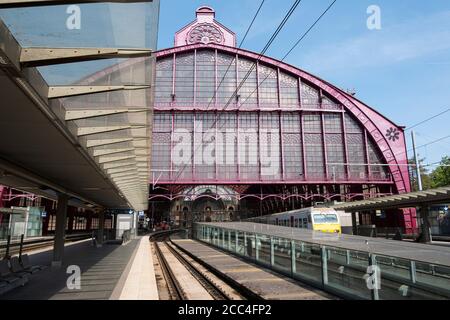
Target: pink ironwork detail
x: 205, y: 33
x: 375, y: 123
x: 205, y: 29
x: 261, y: 197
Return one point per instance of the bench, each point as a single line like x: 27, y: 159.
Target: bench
x: 10, y: 280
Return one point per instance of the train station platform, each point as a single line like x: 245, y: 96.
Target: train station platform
x: 348, y: 266
x: 260, y: 281
x: 112, y: 271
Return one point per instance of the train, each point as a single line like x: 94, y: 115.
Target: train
x: 318, y: 219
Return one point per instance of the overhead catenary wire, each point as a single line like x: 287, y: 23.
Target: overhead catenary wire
x: 303, y: 36
x: 266, y: 47
x: 427, y: 120
x: 216, y: 90
x: 214, y: 97
x: 424, y: 145
x: 409, y: 128
x: 307, y: 31
x: 432, y: 142
x: 421, y: 134
x: 285, y: 56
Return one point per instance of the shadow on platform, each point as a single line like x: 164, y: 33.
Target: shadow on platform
x: 101, y: 269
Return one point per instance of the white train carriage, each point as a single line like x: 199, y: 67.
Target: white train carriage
x: 318, y: 219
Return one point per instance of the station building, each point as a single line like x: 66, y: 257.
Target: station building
x: 237, y: 134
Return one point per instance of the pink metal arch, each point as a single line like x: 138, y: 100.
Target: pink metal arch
x: 238, y: 197
x: 394, y: 152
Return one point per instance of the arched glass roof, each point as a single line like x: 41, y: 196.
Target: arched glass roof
x: 65, y: 57
x: 222, y: 192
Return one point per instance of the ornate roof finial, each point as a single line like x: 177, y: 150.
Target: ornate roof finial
x: 205, y: 29
x: 206, y: 11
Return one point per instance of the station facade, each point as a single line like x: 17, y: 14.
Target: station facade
x: 239, y: 134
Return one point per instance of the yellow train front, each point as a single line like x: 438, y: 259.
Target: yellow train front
x: 326, y: 221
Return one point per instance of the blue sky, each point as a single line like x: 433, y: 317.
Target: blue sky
x: 402, y: 70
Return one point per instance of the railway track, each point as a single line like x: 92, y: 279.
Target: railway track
x: 174, y: 288
x: 175, y: 281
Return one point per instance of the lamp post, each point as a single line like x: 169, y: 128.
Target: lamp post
x: 416, y: 159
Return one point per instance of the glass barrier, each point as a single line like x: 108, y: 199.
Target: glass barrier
x: 282, y: 254
x: 240, y: 245
x: 432, y: 275
x: 347, y: 274
x: 344, y: 272
x: 232, y: 240
x: 221, y: 239
x: 250, y: 245
x: 263, y: 252
x: 308, y: 262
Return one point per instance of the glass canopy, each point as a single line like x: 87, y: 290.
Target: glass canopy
x: 92, y: 64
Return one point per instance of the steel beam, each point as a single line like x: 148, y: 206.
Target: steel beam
x: 104, y: 152
x: 108, y: 159
x: 130, y: 180
x: 119, y: 165
x: 119, y: 170
x: 143, y: 143
x: 70, y: 91
x: 83, y: 131
x: 123, y: 174
x: 103, y: 142
x: 92, y: 113
x: 142, y: 152
x: 35, y: 57
x: 128, y: 184
x: 125, y: 180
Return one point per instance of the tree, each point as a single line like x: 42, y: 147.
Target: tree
x: 424, y: 174
x: 440, y: 177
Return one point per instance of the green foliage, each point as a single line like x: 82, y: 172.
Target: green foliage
x: 440, y: 177
x: 424, y: 173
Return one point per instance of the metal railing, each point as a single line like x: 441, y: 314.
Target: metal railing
x: 15, y: 245
x: 344, y: 272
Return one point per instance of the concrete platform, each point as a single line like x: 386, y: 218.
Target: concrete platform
x: 101, y: 270
x: 263, y: 282
x: 140, y: 281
